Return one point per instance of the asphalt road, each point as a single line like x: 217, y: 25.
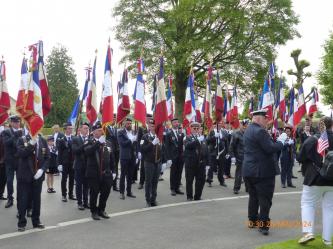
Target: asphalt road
x: 219, y: 221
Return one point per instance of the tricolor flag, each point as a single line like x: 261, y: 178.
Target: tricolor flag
x: 4, y: 96
x: 107, y: 94
x: 281, y: 100
x: 267, y: 100
x: 208, y: 116
x: 313, y: 102
x: 233, y: 118
x: 123, y: 98
x: 271, y: 76
x: 91, y: 104
x: 161, y: 111
x: 219, y: 102
x: 154, y: 94
x: 43, y: 81
x: 292, y: 107
x: 197, y: 108
x: 139, y: 95
x: 301, y: 107
x: 35, y: 120
x: 322, y: 144
x: 226, y: 108
x: 189, y: 106
x: 169, y: 98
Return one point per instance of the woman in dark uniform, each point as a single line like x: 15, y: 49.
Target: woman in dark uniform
x: 52, y: 164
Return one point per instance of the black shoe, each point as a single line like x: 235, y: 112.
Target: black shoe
x: 131, y: 195
x: 95, y: 216
x: 39, y: 226
x: 49, y: 190
x: 9, y: 203
x: 173, y: 193
x: 264, y: 231
x: 189, y: 199
x: 140, y: 186
x: 21, y: 229
x: 80, y: 207
x: 197, y: 199
x: 29, y: 213
x: 283, y: 186
x: 53, y: 191
x: 291, y: 186
x: 294, y: 177
x: 116, y: 189
x: 223, y: 184
x: 160, y: 179
x: 153, y: 204
x: 72, y: 197
x: 86, y: 206
x: 104, y: 215
x: 236, y: 192
x: 3, y: 198
x: 178, y: 192
x: 122, y: 197
x: 64, y: 199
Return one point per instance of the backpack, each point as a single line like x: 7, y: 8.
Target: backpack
x: 326, y: 171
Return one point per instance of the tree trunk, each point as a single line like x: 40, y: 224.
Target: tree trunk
x: 180, y: 83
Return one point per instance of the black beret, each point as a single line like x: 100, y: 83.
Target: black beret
x: 85, y: 123
x: 149, y: 115
x: 14, y: 118
x: 96, y: 126
x: 65, y: 125
x: 128, y: 119
x: 174, y: 119
x: 50, y: 138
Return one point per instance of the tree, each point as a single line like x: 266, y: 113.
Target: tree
x: 300, y: 66
x: 325, y: 75
x: 238, y: 37
x: 62, y: 84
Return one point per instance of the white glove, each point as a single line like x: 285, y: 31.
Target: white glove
x: 136, y: 160
x: 169, y: 163
x: 60, y: 168
x: 227, y: 156
x: 114, y: 175
x: 290, y: 141
x: 139, y: 155
x: 217, y: 134
x: 163, y: 168
x: 38, y: 174
x: 102, y: 139
x: 133, y: 138
x: 221, y: 136
x: 156, y: 141
x: 207, y: 169
x: 33, y: 141
x: 233, y: 160
x: 282, y: 138
x: 201, y: 138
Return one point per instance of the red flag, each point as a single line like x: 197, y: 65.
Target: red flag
x: 91, y: 105
x: 161, y: 111
x: 219, y: 102
x: 208, y: 100
x: 4, y: 96
x: 189, y: 105
x: 107, y: 94
x: 123, y: 98
x: 313, y: 102
x: 43, y: 81
x: 233, y: 113
x: 139, y: 96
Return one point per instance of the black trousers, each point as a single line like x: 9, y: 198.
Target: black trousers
x: 152, y: 173
x: 116, y: 168
x: 102, y: 187
x: 261, y: 192
x: 68, y: 172
x: 142, y: 172
x: 286, y: 172
x: 219, y: 164
x: 194, y: 171
x: 227, y: 166
x: 29, y: 194
x: 176, y: 173
x: 81, y: 186
x: 126, y: 170
x: 238, y: 177
x: 3, y: 179
x: 10, y: 173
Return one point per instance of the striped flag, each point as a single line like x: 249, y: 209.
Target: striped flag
x: 91, y: 104
x: 161, y: 111
x: 107, y: 94
x: 43, y: 81
x: 4, y: 96
x: 219, y: 102
x: 301, y: 106
x: 313, y: 102
x: 197, y: 108
x: 267, y: 100
x: 189, y: 106
x: 208, y: 115
x: 322, y: 144
x: 169, y: 98
x: 234, y: 121
x: 123, y: 99
x: 281, y: 100
x: 139, y: 95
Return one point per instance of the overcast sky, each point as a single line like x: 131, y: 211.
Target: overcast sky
x: 85, y: 26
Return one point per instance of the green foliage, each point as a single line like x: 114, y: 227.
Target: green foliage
x: 325, y: 75
x: 62, y: 84
x: 237, y: 37
x: 300, y: 66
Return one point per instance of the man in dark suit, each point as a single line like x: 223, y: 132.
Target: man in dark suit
x: 126, y: 141
x: 174, y: 147
x: 99, y: 171
x: 33, y: 154
x: 65, y: 161
x: 10, y: 137
x: 81, y: 185
x: 3, y: 178
x: 259, y: 170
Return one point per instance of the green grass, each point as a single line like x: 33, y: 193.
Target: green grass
x: 293, y: 244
